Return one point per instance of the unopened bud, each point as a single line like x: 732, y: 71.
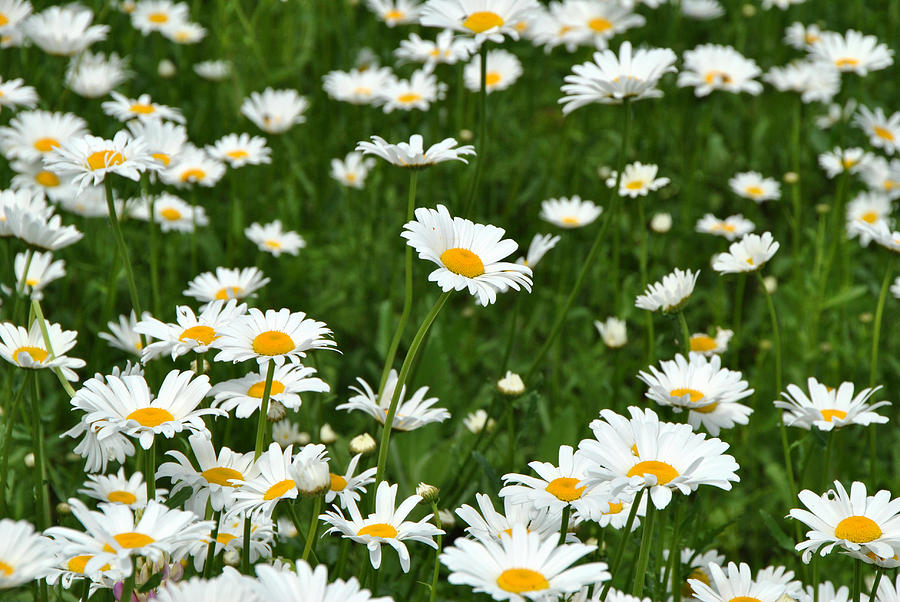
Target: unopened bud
x: 477, y: 420
x: 661, y: 223
x: 166, y: 68
x: 748, y: 10
x: 276, y: 411
x: 327, y: 434
x: 362, y: 444
x: 604, y: 172
x: 791, y: 177
x: 765, y: 344
x: 29, y: 460
x: 771, y: 284
x: 825, y: 347
x: 511, y: 384
x: 823, y: 208
x: 63, y: 508
x: 429, y: 493
x: 448, y: 519
x: 232, y: 557
x: 866, y: 317
x: 466, y: 135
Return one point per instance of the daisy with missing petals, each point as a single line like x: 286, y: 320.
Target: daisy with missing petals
x: 14, y: 92
x: 384, y: 526
x: 64, y: 30
x: 698, y: 385
x: 670, y: 293
x: 24, y: 554
x: 710, y: 67
x: 827, y: 408
x: 840, y: 160
x: 270, y: 482
x: 27, y: 349
x: 226, y: 283
x: 485, y: 20
x: 347, y: 487
x: 42, y: 270
x: 867, y: 208
x: 752, y: 185
x: 123, y: 335
x: 125, y: 109
x: 612, y: 331
x: 852, y: 51
x: 271, y: 238
x: 730, y: 228
x: 30, y: 135
x: 883, y: 131
x: 855, y: 522
x: 353, y: 170
x: 540, y: 244
x: 417, y: 92
x: 278, y: 336
x: 503, y: 69
x: 275, y: 111
x: 237, y: 150
x: 704, y: 344
x: 637, y: 179
x: 521, y: 566
x: 90, y: 158
x: 94, y: 75
x: 395, y: 12
x: 172, y: 213
x: 610, y: 78
x: 746, y: 255
x: 737, y: 584
x: 117, y: 489
x: 489, y: 525
x: 412, y: 413
x: 468, y: 255
x: 570, y: 212
x: 412, y: 154
x: 359, y: 87
x: 244, y: 394
x: 189, y: 332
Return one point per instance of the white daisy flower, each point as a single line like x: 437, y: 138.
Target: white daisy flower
x: 42, y: 270
x: 184, y: 32
x: 447, y: 49
x: 540, y: 244
x: 271, y: 238
x: 142, y: 108
x: 569, y: 212
x: 386, y: 525
x: 752, y: 185
x: 90, y: 158
x: 353, y: 170
x: 268, y: 483
x: 417, y: 92
x: 117, y: 489
x: 276, y: 336
x: 123, y: 335
x: 214, y: 71
x: 32, y: 176
x: 637, y: 179
x: 489, y: 525
x: 300, y: 582
x: 164, y: 140
x: 193, y: 166
x: 285, y: 432
x: 155, y: 15
x: 468, y: 255
x: 610, y: 78
x: 827, y: 408
x: 585, y: 23
x: 395, y: 12
x: 412, y: 413
x: 746, y: 255
x: 503, y: 69
x: 413, y: 154
x: 27, y: 349
x: 22, y: 202
x: 24, y: 555
x: 94, y: 75
x: 698, y: 564
x: 738, y: 583
x: 853, y: 521
x: 730, y: 228
x: 612, y: 331
x: 670, y: 293
x: 782, y: 4
x: 702, y: 343
x: 30, y: 135
x: 347, y: 487
x: 867, y: 208
x: 224, y: 588
x: 357, y: 86
x: 827, y: 591
x: 879, y: 174
x: 238, y: 150
x: 275, y: 111
x: 881, y: 233
x: 189, y: 332
x: 888, y: 591
x: 98, y: 452
x: 814, y: 81
x: 64, y: 30
x: 840, y: 160
x: 486, y: 21
x: 702, y: 10
x: 244, y: 395
x: 883, y: 131
x: 800, y: 36
x: 852, y: 51
x: 781, y: 576
x: 226, y: 283
x: 14, y: 92
x: 230, y: 538
x: 13, y: 12
x: 698, y: 384
x: 710, y: 67
x: 37, y: 227
x: 172, y: 213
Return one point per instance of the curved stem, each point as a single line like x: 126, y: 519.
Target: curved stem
x: 437, y: 552
x: 123, y: 251
x: 263, y: 411
x: 9, y: 418
x: 564, y: 524
x: 313, y: 527
x: 878, y: 572
x: 620, y: 551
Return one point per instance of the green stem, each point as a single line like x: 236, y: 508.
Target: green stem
x: 795, y: 187
x: 85, y: 589
x: 564, y: 525
x: 263, y: 412
x: 313, y: 526
x: 9, y: 418
x: 211, y: 549
x: 154, y: 257
x: 685, y: 333
x: 626, y: 534
x: 640, y: 573
x: 815, y: 577
x: 128, y: 587
x: 857, y: 579
x: 738, y: 314
x: 674, y: 567
x: 150, y: 471
x: 45, y: 334
x: 826, y: 462
x: 878, y: 572
x: 123, y: 251
x: 482, y: 132
x: 40, y: 476
x: 776, y: 333
x: 342, y: 559
x: 876, y: 332
x: 245, y: 546
x: 437, y: 552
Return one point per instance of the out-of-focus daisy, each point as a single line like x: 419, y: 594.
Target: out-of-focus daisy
x: 244, y: 394
x: 417, y: 92
x: 569, y: 212
x: 24, y: 554
x: 37, y: 228
x: 521, y: 566
x: 746, y: 255
x: 184, y: 32
x: 42, y: 270
x: 489, y: 525
x: 30, y: 135
x: 637, y: 179
x: 670, y: 293
x: 215, y: 71
x: 447, y: 48
x: 170, y: 212
x: 814, y: 81
x: 503, y: 69
x: 189, y: 332
x: 486, y: 21
x: 386, y: 525
x: 881, y: 233
x: 14, y: 92
x: 193, y: 166
x: 867, y: 208
x: 276, y: 336
x: 299, y: 582
x: 286, y: 432
x: 852, y: 51
x: 352, y: 170
x: 842, y: 160
x: 348, y: 486
x: 269, y: 483
x: 117, y: 488
x: 357, y: 86
x: 702, y: 10
x: 468, y: 255
x: 275, y: 111
x: 698, y: 384
x: 271, y: 238
x: 610, y: 79
x: 98, y: 452
x: 31, y: 175
x: 730, y: 228
x: 781, y: 576
x: 164, y: 140
x: 540, y: 244
x: 782, y: 4
x: 225, y: 588
x: 587, y: 22
x: 395, y: 12
x: 142, y: 108
x: 752, y: 185
x: 13, y: 13
x: 27, y: 349
x: 895, y: 288
x: 854, y: 521
x: 827, y: 409
x: 698, y: 564
x: 155, y: 15
x: 95, y: 75
x: 89, y: 159
x: 881, y: 175
x: 710, y: 67
x: 226, y: 283
x: 738, y: 583
x: 883, y: 131
x: 64, y: 30
x: 703, y: 343
x: 412, y: 413
x: 413, y: 154
x: 800, y: 36
x: 123, y: 335
x: 612, y: 331
x: 238, y: 150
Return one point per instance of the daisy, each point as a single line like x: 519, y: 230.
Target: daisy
x: 165, y: 141
x: 881, y: 233
x: 395, y: 12
x: 172, y: 213
x: 275, y: 111
x: 738, y: 583
x: 503, y: 69
x: 230, y: 538
x: 855, y: 522
x: 710, y: 67
x: 300, y: 582
x: 814, y: 81
x: 417, y: 92
x: 224, y: 588
x: 779, y: 575
x: 888, y: 591
x: 637, y: 179
x: 117, y: 489
x: 610, y: 78
x: 570, y: 212
x: 670, y: 293
x: 384, y: 526
x: 309, y: 470
x: 226, y: 283
x: 489, y: 525
x: 276, y: 335
x: 867, y: 208
x: 698, y: 384
x: 38, y: 228
x: 413, y: 154
x: 852, y: 51
x: 13, y: 12
x: 446, y: 49
x: 540, y: 244
x: 486, y: 20
x: 272, y: 239
x: 746, y: 255
x: 827, y: 591
x: 522, y: 562
x: 244, y: 395
x: 31, y: 175
x: 468, y: 255
x: 189, y: 332
x: 643, y: 453
x: 27, y: 348
x: 184, y: 32
x: 347, y: 487
x: 879, y: 174
x: 883, y: 132
x: 827, y: 409
x: 141, y: 108
x: 587, y: 22
x: 412, y: 413
x: 239, y: 150
x: 353, y: 170
x: 704, y: 344
x: 193, y: 166
x: 357, y: 86
x: 285, y: 432
x: 782, y: 4
x: 612, y: 331
x: 215, y: 71
x: 123, y: 335
x: 155, y: 15
x: 30, y: 135
x: 29, y: 203
x: 90, y: 158
x: 800, y: 36
x: 698, y: 564
x: 752, y: 185
x: 24, y: 555
x: 702, y: 10
x: 94, y: 75
x: 269, y: 483
x: 41, y: 271
x: 839, y: 160
x: 64, y: 30
x: 730, y: 228
x: 14, y: 93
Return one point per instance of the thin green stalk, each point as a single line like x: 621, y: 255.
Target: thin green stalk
x: 674, y: 566
x: 211, y: 549
x: 826, y: 462
x: 857, y: 579
x: 437, y: 552
x: 640, y: 573
x: 626, y: 534
x: 342, y: 559
x: 876, y: 327
x: 123, y: 251
x: 795, y: 187
x: 482, y: 132
x: 511, y: 339
x: 41, y: 492
x: 45, y: 334
x: 878, y: 572
x: 150, y: 471
x: 154, y: 257
x: 401, y: 381
x: 128, y: 587
x: 776, y: 332
x: 245, y: 547
x: 815, y: 577
x: 685, y: 333
x: 85, y: 589
x: 10, y: 418
x: 738, y: 314
x: 564, y: 525
x: 408, y: 290
x: 313, y: 527
x: 263, y: 412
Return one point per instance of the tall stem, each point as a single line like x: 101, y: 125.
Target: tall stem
x: 644, y: 555
x: 437, y: 552
x: 123, y: 251
x: 857, y: 579
x: 795, y: 187
x: 9, y: 419
x: 245, y: 547
x: 40, y: 476
x: 738, y: 315
x: 150, y: 471
x: 211, y: 550
x: 313, y: 526
x: 776, y: 332
x: 626, y: 534
x: 128, y: 586
x: 685, y: 333
x: 878, y: 573
x: 263, y: 412
x: 564, y: 525
x: 876, y: 332
x: 482, y: 132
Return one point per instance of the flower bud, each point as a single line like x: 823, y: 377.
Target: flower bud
x: 166, y: 68
x: 466, y: 135
x: 232, y: 557
x: 429, y: 493
x: 29, y: 460
x: 771, y: 284
x: 661, y: 223
x: 362, y: 444
x: 327, y: 434
x: 63, y: 508
x: 511, y: 384
x: 448, y: 519
x: 477, y: 420
x: 791, y: 177
x: 275, y: 411
x: 309, y: 470
x: 748, y: 10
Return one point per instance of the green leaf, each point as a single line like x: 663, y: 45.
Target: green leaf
x: 776, y: 531
x: 152, y: 583
x: 844, y: 296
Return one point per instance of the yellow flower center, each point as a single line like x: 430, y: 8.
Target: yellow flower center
x: 272, y: 342
x: 5, y: 569
x: 600, y: 24
x: 870, y: 217
x: 463, y: 262
x: 754, y: 190
x: 338, y: 483
x: 32, y: 282
x: 193, y: 175
x: 363, y: 91
x: 847, y: 162
x: 273, y: 244
x: 237, y: 154
x: 77, y: 564
x: 695, y: 395
x: 518, y: 581
x: 229, y: 292
x: 142, y: 108
x: 686, y: 590
x: 150, y: 417
x: 182, y: 36
x: 744, y: 599
x: 171, y: 214
x: 394, y: 15
x: 829, y: 415
x: 158, y: 17
x: 707, y: 409
x: 663, y: 472
x: 279, y: 489
x: 883, y: 133
x: 104, y: 159
x: 847, y: 62
x: 563, y: 488
x: 202, y: 334
x: 722, y: 227
x: 46, y: 144
x: 717, y: 76
x: 635, y: 185
x: 121, y: 497
x: 382, y: 530
x: 37, y: 354
x: 858, y: 529
x: 47, y: 179
x: 162, y: 158
x: 133, y: 539
x: 569, y: 220
x: 3, y: 19
x: 811, y: 38
x: 257, y: 389
x: 492, y: 78
x: 615, y: 508
x: 220, y: 475
x: 409, y: 97
x: 702, y: 342
x: 481, y: 21
x: 225, y: 538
